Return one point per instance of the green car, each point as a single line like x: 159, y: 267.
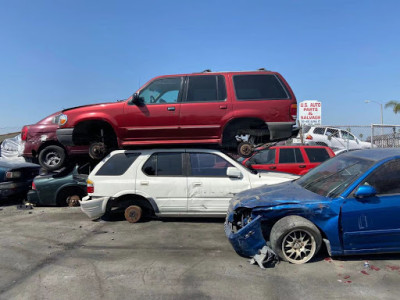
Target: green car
x: 62, y: 188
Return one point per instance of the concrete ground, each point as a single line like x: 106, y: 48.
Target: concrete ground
x: 58, y: 253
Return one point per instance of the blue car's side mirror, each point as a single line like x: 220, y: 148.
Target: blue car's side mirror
x: 365, y: 191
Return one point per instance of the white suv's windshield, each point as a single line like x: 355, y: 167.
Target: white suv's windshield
x: 331, y: 178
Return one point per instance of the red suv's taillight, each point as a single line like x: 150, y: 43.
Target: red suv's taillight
x: 89, y: 186
x: 24, y: 133
x: 293, y: 111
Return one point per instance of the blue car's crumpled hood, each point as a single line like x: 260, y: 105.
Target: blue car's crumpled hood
x: 273, y: 195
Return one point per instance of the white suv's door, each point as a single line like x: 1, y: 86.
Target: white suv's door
x: 209, y: 188
x: 162, y: 179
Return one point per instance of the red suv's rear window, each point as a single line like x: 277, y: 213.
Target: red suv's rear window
x: 259, y: 87
x: 317, y: 154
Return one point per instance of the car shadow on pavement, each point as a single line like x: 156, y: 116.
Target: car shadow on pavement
x: 191, y: 220
x: 324, y: 256
x: 117, y: 216
x: 10, y: 201
x: 375, y: 257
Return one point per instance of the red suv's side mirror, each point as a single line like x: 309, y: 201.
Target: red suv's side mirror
x: 136, y: 99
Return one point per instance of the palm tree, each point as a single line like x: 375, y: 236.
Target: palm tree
x: 395, y: 105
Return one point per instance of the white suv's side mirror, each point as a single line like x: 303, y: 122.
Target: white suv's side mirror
x: 233, y: 172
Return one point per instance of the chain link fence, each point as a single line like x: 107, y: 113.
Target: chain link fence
x: 349, y: 136
x: 385, y: 136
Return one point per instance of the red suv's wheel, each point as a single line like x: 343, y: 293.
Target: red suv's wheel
x: 245, y: 149
x: 52, y: 157
x: 97, y: 150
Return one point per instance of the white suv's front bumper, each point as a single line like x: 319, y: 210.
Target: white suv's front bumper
x: 94, y: 208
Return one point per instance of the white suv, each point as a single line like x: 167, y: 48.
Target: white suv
x: 170, y: 182
x: 334, y: 138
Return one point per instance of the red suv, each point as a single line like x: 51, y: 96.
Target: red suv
x: 291, y: 159
x: 221, y: 108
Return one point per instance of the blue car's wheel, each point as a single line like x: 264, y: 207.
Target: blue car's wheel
x: 295, y: 239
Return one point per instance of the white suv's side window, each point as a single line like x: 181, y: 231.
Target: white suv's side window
x: 319, y: 130
x: 164, y: 164
x: 117, y: 164
x: 332, y: 132
x: 208, y: 165
x: 347, y: 136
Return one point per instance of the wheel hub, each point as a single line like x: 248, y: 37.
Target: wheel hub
x: 97, y: 150
x: 52, y: 158
x: 298, y: 246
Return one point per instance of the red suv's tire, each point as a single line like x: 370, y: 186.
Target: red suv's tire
x: 52, y: 157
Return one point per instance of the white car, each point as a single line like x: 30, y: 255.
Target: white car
x: 170, y: 182
x: 334, y: 138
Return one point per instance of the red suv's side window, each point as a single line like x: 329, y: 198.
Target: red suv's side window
x: 290, y: 156
x: 264, y: 157
x: 206, y: 88
x: 317, y: 154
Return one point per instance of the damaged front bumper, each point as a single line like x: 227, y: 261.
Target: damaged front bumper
x: 94, y: 208
x: 248, y: 240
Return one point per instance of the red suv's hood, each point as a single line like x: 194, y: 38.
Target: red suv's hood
x: 87, y: 105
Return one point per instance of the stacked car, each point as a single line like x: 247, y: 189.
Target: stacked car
x: 293, y: 159
x: 169, y: 150
x: 222, y: 110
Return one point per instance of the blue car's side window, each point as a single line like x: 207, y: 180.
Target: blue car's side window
x: 386, y: 179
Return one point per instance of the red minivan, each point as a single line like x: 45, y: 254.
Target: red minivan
x: 297, y: 159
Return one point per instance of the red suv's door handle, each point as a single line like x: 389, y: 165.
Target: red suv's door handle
x: 272, y: 168
x: 302, y: 166
x: 223, y: 107
x: 171, y: 108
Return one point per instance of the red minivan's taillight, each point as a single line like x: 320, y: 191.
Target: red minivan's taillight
x: 89, y: 186
x: 24, y: 133
x: 293, y: 111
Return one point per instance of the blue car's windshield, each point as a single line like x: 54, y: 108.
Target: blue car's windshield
x: 335, y: 175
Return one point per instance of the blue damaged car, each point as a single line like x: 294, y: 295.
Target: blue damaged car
x: 350, y: 202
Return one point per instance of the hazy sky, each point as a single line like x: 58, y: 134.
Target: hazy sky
x: 56, y: 54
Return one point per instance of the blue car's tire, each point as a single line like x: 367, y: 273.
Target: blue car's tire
x: 295, y: 239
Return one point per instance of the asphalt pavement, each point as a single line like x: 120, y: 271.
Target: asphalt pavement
x: 58, y: 253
